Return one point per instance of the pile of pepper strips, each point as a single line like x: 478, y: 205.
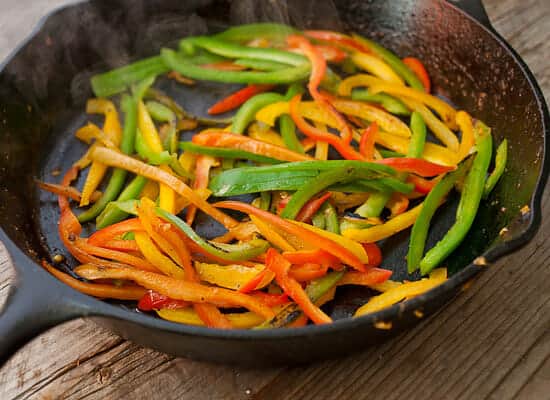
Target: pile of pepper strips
x: 314, y: 223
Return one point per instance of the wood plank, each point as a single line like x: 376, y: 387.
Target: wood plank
x: 492, y: 342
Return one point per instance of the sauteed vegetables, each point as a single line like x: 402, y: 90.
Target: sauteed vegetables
x: 336, y: 141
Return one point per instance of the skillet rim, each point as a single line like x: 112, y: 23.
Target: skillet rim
x: 88, y: 306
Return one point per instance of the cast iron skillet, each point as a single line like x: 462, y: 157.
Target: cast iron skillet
x: 43, y: 88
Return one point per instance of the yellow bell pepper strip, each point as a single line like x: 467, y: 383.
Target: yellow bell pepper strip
x: 500, y: 165
x: 265, y: 135
x: 359, y: 80
x: 281, y: 267
x: 379, y: 232
x: 271, y: 235
x: 420, y: 71
x: 432, y: 152
x: 155, y: 257
x: 385, y: 121
x: 230, y: 140
x: 150, y: 135
x: 90, y: 132
x: 177, y: 289
x: 401, y: 292
x: 118, y: 160
x: 308, y: 109
x: 377, y: 67
x: 391, y: 59
x: 99, y: 290
x: 232, y: 276
x: 113, y: 132
x: 420, y: 228
x: 389, y: 103
x: 303, y: 231
x: 470, y: 199
x: 188, y: 316
x: 467, y: 141
x: 202, y: 177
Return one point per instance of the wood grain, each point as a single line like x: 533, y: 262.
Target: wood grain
x: 492, y: 342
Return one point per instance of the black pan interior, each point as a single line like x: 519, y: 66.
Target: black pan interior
x: 43, y: 92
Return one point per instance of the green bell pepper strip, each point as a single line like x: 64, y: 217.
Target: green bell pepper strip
x: 390, y: 103
x: 260, y: 65
x: 116, y: 182
x: 159, y: 112
x: 315, y: 290
x: 143, y: 150
x: 266, y: 30
x: 469, y: 201
x: 390, y: 154
x: 127, y: 207
x: 265, y: 200
x: 431, y: 203
x: 112, y: 215
x: 236, y: 51
x: 228, y: 252
x: 285, y: 76
x: 247, y: 112
x: 118, y: 80
x: 318, y: 220
x: 288, y: 134
x: 226, y: 153
x: 331, y: 218
x: 393, y: 61
x: 314, y: 186
x: 375, y: 204
x: 500, y: 165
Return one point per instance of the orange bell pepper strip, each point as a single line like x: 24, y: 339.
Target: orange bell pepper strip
x: 281, y: 267
x: 307, y: 272
x: 331, y: 53
x: 118, y: 160
x: 155, y: 301
x: 270, y: 235
x: 69, y: 191
x: 368, y: 139
x: 421, y: 185
x: 317, y: 256
x: 271, y: 300
x: 308, y: 236
x: 230, y: 140
x: 177, y: 289
x: 338, y: 38
x: 373, y: 276
x: 311, y: 207
x: 99, y: 290
x: 99, y: 238
x: 416, y: 166
x: 202, y: 177
x: 420, y: 71
x: 253, y: 283
x: 318, y: 71
x: 238, y: 98
x: 121, y: 245
x: 398, y: 204
x: 345, y: 150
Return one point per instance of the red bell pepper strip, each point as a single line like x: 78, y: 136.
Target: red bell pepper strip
x: 366, y: 144
x: 155, y: 301
x: 398, y: 204
x: 307, y: 272
x: 331, y: 53
x: 318, y: 71
x: 308, y: 236
x: 311, y: 207
x: 202, y: 176
x: 374, y: 253
x: 254, y: 282
x: 339, y: 39
x: 345, y: 150
x: 121, y: 245
x: 416, y: 166
x: 421, y: 185
x: 281, y: 267
x: 236, y: 99
x: 373, y: 276
x: 420, y: 71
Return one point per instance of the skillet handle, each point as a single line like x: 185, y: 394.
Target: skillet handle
x: 475, y: 9
x: 30, y: 309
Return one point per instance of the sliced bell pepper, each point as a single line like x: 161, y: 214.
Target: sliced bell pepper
x: 500, y: 165
x: 377, y: 67
x: 276, y: 263
x: 421, y: 185
x: 69, y: 191
x: 236, y: 99
x: 467, y: 142
x: 99, y: 290
x: 265, y: 134
x: 374, y: 276
x: 317, y: 256
x: 397, y: 204
x: 154, y: 301
x: 177, y: 289
x: 416, y: 166
x: 311, y: 207
x: 337, y: 38
x: 420, y: 71
x: 121, y: 245
x: 229, y: 140
x: 202, y: 178
x: 271, y: 235
x: 188, y: 316
x: 232, y: 276
x: 307, y: 272
x: 368, y: 140
x: 315, y: 238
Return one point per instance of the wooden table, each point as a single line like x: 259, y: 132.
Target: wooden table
x: 492, y: 342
